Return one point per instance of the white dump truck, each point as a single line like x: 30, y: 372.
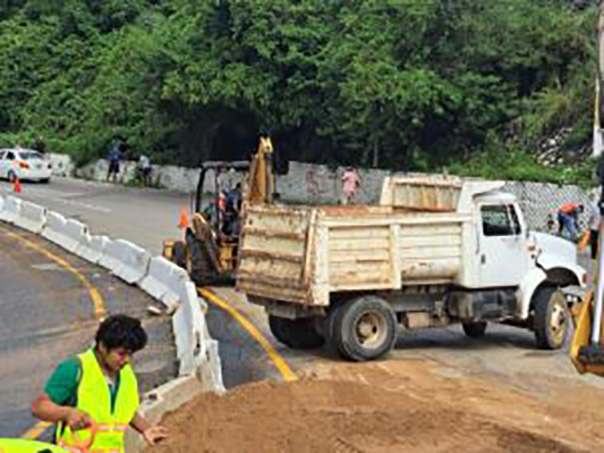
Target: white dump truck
x: 436, y: 251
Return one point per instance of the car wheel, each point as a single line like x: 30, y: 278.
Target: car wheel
x: 12, y: 176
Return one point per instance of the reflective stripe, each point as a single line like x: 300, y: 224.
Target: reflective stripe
x: 79, y: 450
x: 122, y: 427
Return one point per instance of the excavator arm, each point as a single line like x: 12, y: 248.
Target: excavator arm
x: 261, y: 180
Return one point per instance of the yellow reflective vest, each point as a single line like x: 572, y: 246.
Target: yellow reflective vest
x: 27, y: 446
x: 107, y: 435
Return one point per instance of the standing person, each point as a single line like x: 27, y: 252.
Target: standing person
x: 97, y: 391
x: 350, y: 184
x: 144, y: 167
x: 568, y: 219
x: 114, y: 157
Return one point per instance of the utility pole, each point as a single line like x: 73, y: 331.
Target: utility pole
x: 598, y: 142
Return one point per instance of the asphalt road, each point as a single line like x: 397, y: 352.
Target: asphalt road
x: 47, y: 315
x: 147, y: 217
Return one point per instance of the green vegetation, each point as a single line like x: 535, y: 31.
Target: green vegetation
x: 401, y: 84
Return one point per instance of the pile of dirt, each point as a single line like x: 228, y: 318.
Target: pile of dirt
x: 373, y: 408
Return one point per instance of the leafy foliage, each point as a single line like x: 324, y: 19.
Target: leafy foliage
x: 401, y: 84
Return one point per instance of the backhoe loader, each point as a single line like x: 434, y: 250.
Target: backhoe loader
x: 209, y: 250
x: 587, y: 348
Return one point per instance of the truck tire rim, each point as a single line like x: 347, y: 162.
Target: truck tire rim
x: 370, y: 330
x: 557, y: 322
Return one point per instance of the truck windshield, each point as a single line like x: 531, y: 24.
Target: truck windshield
x: 499, y: 220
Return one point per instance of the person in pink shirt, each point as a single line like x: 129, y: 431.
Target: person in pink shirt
x: 350, y: 184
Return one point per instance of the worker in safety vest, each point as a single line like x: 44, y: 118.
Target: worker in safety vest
x: 568, y: 219
x: 93, y: 397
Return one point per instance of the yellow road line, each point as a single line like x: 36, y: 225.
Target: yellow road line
x: 280, y: 363
x: 97, y: 300
x: 36, y: 431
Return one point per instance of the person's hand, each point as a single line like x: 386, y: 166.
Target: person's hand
x: 77, y: 419
x: 154, y: 434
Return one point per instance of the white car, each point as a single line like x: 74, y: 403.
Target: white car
x: 25, y: 164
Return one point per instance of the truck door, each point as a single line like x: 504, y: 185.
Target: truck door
x: 503, y: 258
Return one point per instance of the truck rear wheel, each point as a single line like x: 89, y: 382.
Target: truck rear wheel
x: 551, y: 318
x: 296, y: 333
x: 474, y: 329
x: 364, y: 329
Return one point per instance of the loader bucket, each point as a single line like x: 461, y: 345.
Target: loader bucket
x: 586, y: 358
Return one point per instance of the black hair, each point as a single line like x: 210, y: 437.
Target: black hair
x: 121, y: 331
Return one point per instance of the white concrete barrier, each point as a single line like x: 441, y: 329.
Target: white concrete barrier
x: 12, y: 209
x: 32, y: 217
x: 164, y: 281
x: 92, y: 247
x: 2, y: 201
x: 190, y: 330
x: 54, y: 230
x: 126, y: 260
x: 75, y: 233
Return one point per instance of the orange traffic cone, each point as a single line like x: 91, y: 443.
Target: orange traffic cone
x: 17, y: 186
x: 183, y: 221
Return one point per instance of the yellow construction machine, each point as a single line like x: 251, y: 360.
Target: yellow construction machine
x: 211, y: 240
x: 587, y: 348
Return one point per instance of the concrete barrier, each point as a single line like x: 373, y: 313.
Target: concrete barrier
x: 75, y: 232
x: 32, y: 217
x: 92, y: 247
x: 54, y: 229
x: 12, y: 209
x: 190, y: 331
x: 156, y: 403
x: 126, y: 260
x: 2, y: 201
x: 164, y: 281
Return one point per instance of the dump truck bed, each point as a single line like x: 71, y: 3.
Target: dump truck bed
x: 302, y: 254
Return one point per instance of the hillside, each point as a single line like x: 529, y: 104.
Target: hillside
x: 474, y: 85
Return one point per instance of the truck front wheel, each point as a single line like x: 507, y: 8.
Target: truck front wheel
x: 296, y: 333
x: 364, y: 329
x: 551, y: 318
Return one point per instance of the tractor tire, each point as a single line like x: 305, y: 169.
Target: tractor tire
x: 296, y: 333
x: 474, y: 329
x: 179, y: 254
x: 364, y: 329
x: 197, y: 263
x: 552, y: 318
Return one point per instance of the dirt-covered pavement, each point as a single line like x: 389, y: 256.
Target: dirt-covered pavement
x: 391, y: 406
x: 438, y: 391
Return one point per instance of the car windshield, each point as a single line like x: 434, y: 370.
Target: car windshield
x: 30, y: 155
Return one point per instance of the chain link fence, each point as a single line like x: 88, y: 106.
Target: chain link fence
x: 319, y: 184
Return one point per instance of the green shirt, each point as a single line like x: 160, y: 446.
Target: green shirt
x: 62, y: 386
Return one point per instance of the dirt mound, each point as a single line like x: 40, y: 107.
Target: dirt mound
x: 366, y: 409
